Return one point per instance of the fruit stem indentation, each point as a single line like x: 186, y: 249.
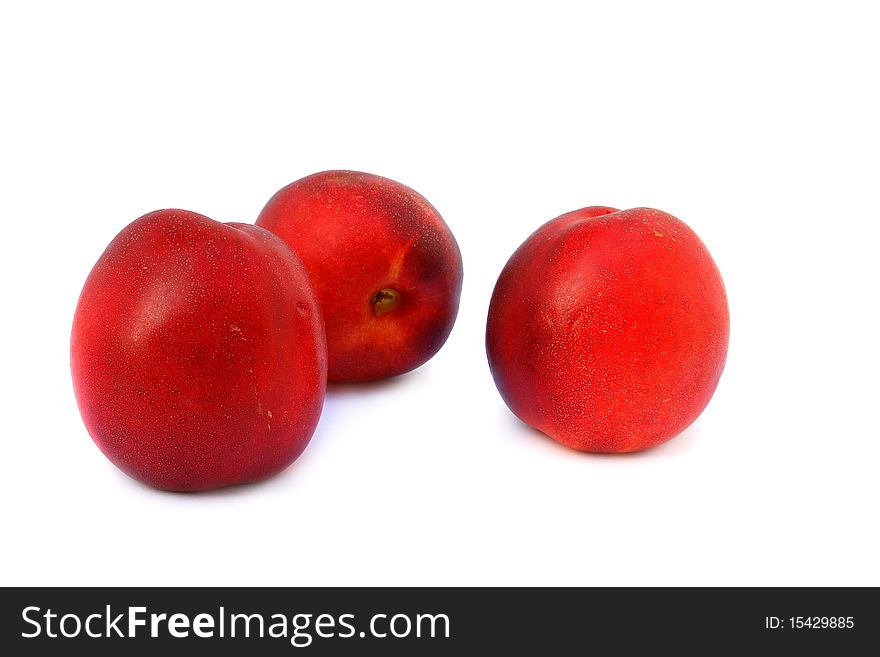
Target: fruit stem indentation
x: 385, y: 301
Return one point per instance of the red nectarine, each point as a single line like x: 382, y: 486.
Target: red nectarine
x: 198, y: 353
x: 608, y: 330
x: 385, y: 266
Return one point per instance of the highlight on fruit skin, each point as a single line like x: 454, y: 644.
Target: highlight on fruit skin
x: 608, y: 330
x: 386, y: 268
x: 197, y: 353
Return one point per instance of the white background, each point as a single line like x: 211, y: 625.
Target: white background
x: 757, y: 125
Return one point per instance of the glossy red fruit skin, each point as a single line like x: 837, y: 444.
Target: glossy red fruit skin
x: 358, y: 234
x: 608, y: 329
x: 198, y: 353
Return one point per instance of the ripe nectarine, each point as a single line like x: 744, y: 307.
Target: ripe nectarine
x: 385, y: 266
x: 198, y: 353
x: 608, y: 330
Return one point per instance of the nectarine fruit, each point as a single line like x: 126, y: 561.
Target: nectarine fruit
x: 385, y: 266
x: 198, y: 353
x: 608, y: 329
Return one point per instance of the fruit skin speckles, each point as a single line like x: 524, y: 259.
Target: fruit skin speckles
x: 608, y: 330
x: 386, y: 268
x: 186, y: 333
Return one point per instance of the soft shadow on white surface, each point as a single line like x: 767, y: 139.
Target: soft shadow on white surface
x: 357, y: 389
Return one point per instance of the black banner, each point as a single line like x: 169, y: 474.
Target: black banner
x: 408, y: 621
